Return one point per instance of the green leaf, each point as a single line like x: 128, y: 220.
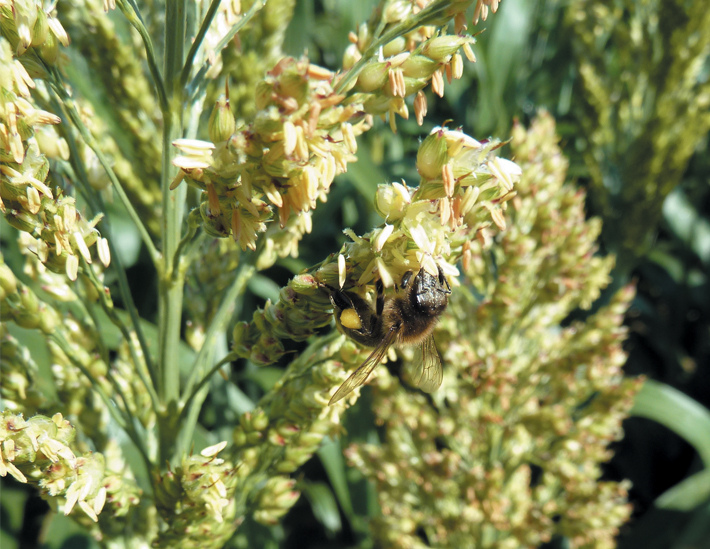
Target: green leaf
x: 687, y: 494
x: 126, y: 237
x: 677, y: 411
x: 264, y: 287
x: 332, y: 460
x: 265, y: 377
x: 238, y: 401
x: 683, y: 219
x: 323, y: 504
x: 12, y: 507
x: 292, y: 264
x: 697, y: 530
x: 65, y: 533
x: 365, y: 175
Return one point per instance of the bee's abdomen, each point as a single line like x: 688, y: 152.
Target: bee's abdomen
x: 416, y: 330
x: 414, y: 326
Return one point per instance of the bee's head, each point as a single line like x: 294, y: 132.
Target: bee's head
x: 429, y: 294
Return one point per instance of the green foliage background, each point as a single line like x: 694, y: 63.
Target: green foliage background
x: 636, y: 133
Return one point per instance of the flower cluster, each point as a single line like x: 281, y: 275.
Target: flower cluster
x: 302, y: 308
x: 416, y: 56
x: 125, y: 512
x: 38, y: 449
x: 285, y: 160
x: 25, y: 308
x: 508, y: 451
x: 198, y: 500
x: 463, y: 187
x: 258, y: 49
x: 134, y: 109
x: 404, y: 68
x: 289, y: 424
x: 625, y: 109
x: 71, y: 341
x: 463, y: 191
x: 29, y: 27
x: 306, y: 124
x: 19, y: 373
x: 62, y: 234
x: 42, y: 451
x: 19, y: 303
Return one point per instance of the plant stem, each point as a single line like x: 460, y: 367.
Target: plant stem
x: 170, y: 288
x: 199, y: 77
x: 194, y: 388
x: 132, y: 14
x: 197, y: 42
x: 108, y: 308
x: 203, y: 382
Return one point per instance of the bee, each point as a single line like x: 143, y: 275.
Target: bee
x: 407, y: 318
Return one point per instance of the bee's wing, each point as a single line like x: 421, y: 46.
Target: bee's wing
x: 365, y: 369
x: 426, y: 371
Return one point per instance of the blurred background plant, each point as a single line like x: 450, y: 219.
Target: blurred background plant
x: 509, y: 451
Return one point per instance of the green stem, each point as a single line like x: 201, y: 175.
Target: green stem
x: 170, y: 284
x: 132, y: 14
x: 175, y: 25
x: 204, y: 27
x: 199, y: 77
x: 194, y: 392
x: 170, y: 288
x: 110, y: 311
x: 201, y: 371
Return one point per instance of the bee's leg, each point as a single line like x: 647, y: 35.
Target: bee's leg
x: 331, y: 290
x: 380, y: 303
x: 406, y: 279
x: 442, y: 279
x: 341, y: 300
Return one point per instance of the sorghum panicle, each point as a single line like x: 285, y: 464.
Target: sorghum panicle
x: 40, y: 451
x: 198, y: 500
x: 427, y: 225
x: 62, y: 234
x: 507, y: 453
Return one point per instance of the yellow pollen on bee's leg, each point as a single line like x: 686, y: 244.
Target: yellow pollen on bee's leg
x: 350, y: 319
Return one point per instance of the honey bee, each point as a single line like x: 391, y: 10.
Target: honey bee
x: 407, y: 318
